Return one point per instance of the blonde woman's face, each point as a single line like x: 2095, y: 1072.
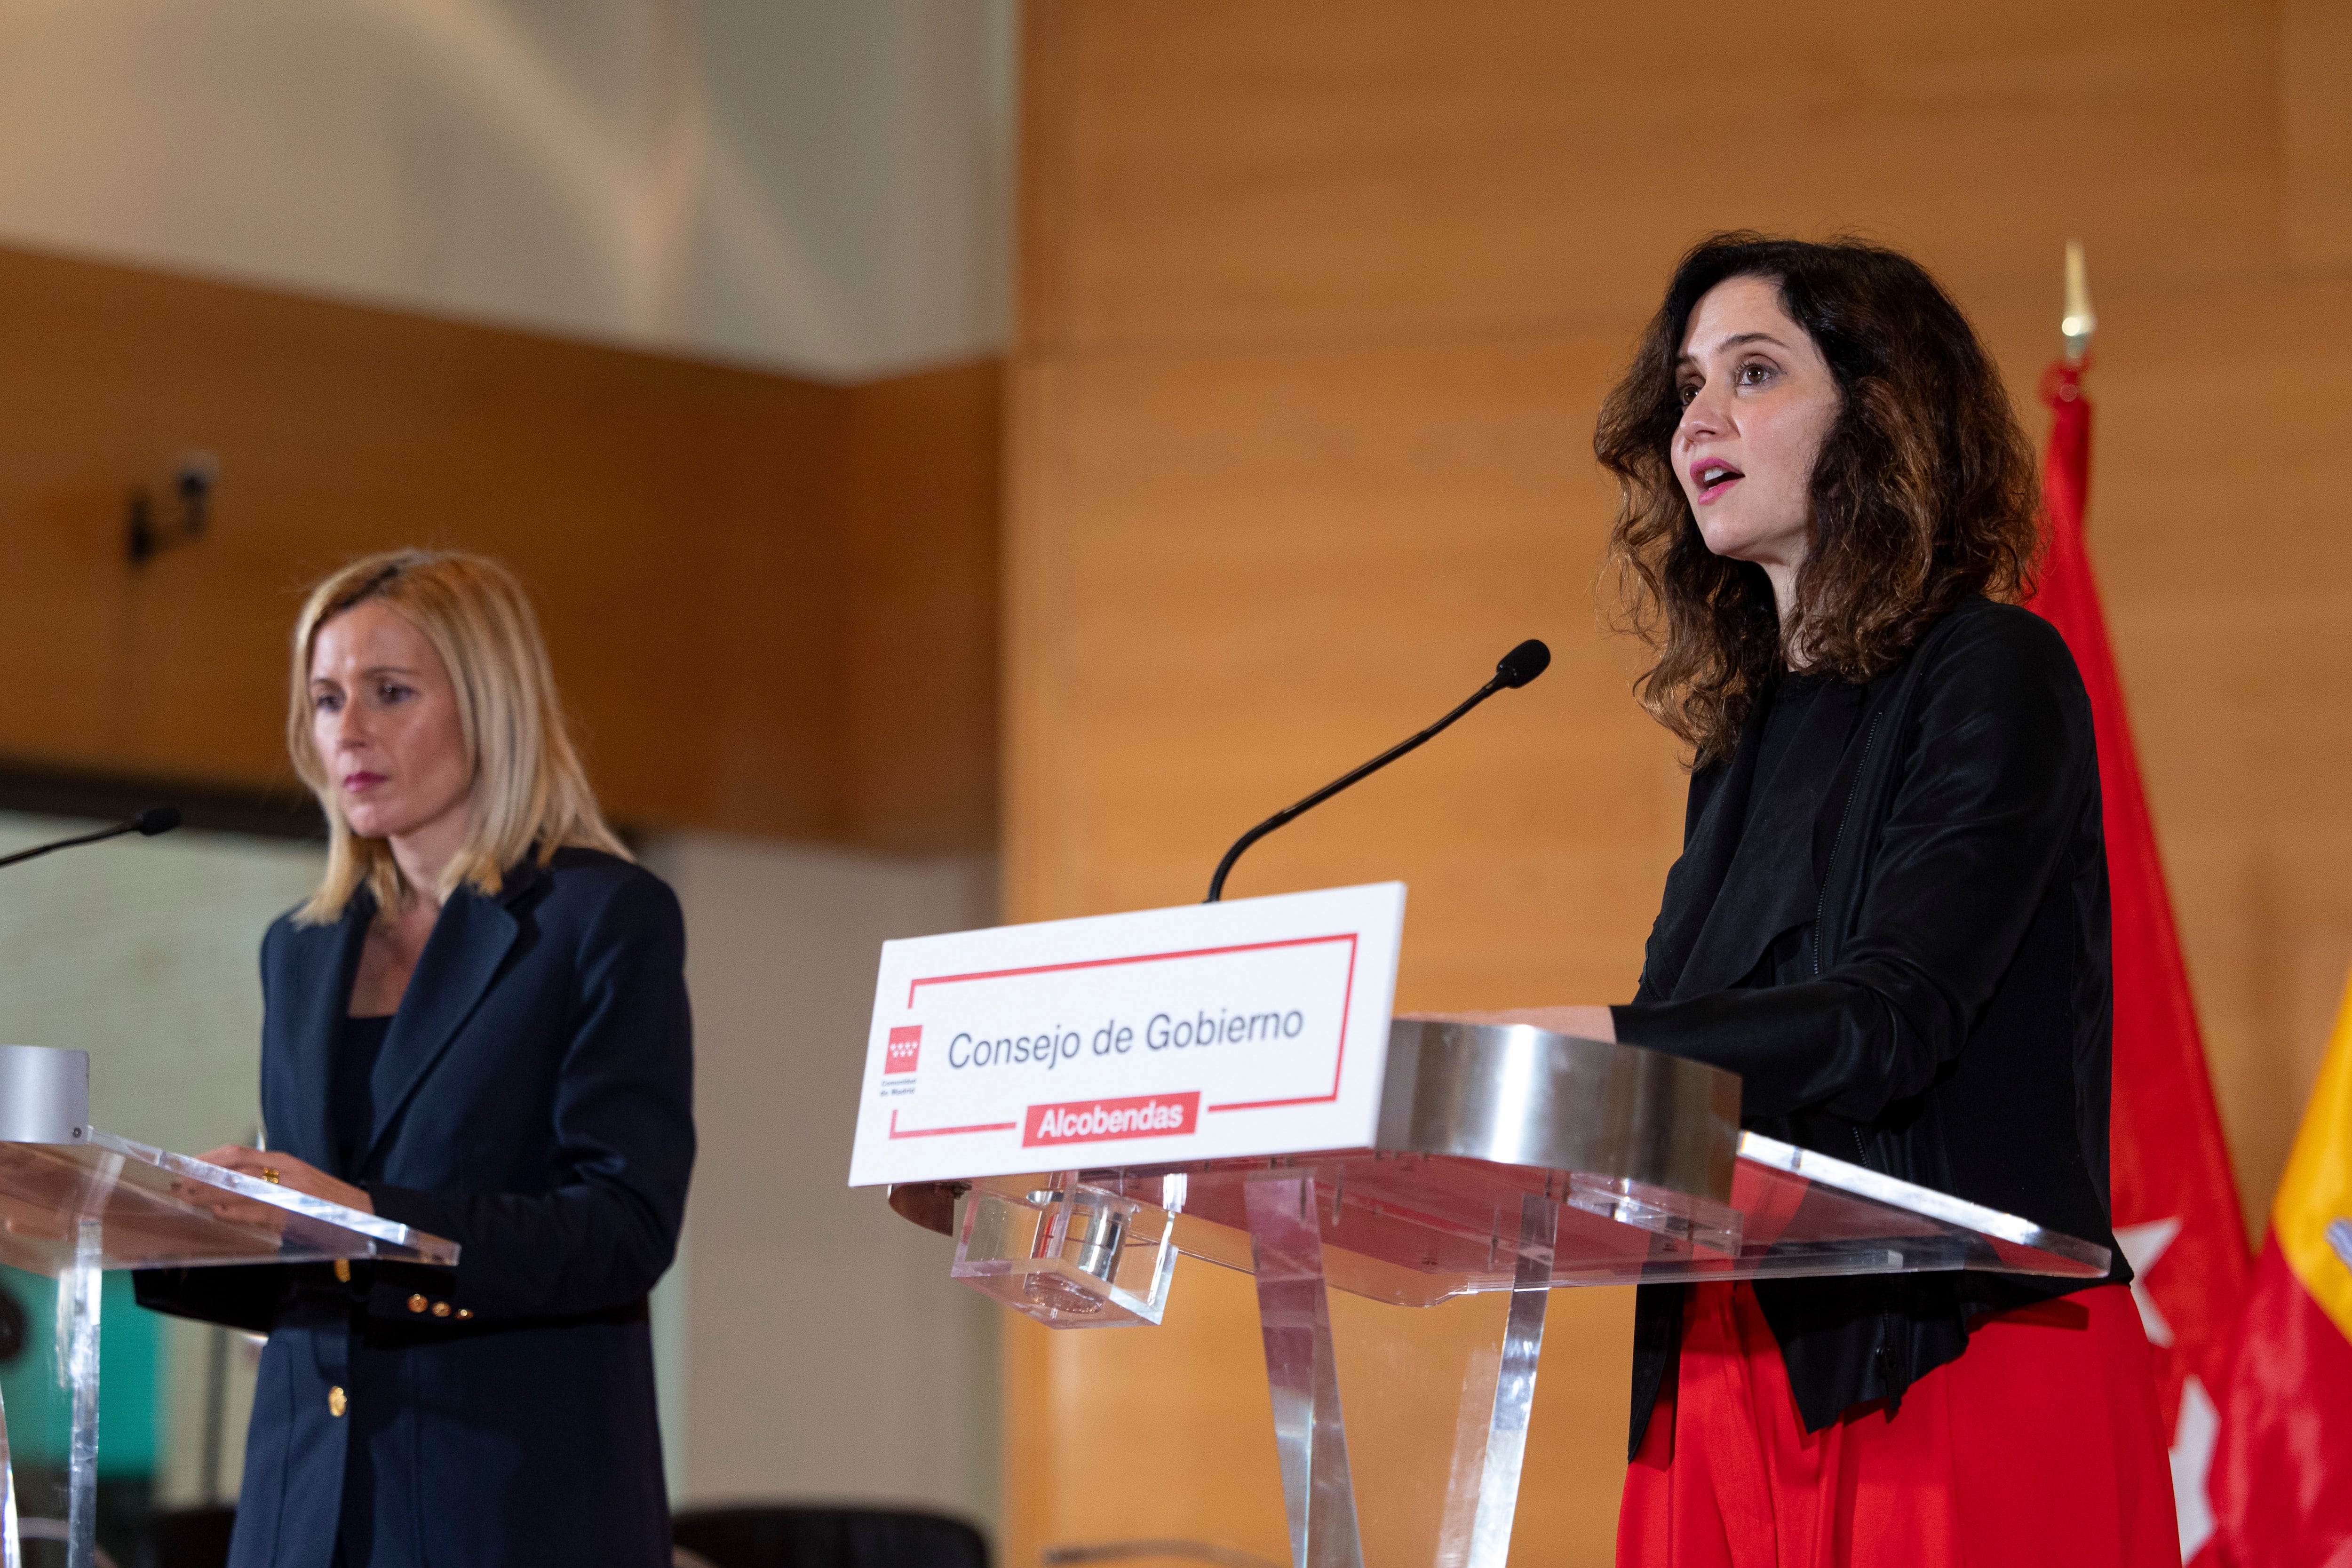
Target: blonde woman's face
x: 384, y: 717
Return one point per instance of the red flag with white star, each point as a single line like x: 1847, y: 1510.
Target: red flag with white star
x: 2176, y: 1202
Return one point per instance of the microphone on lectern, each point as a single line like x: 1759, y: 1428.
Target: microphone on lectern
x: 153, y: 820
x: 1514, y: 669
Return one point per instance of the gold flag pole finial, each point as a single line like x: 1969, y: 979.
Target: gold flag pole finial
x: 2078, y: 324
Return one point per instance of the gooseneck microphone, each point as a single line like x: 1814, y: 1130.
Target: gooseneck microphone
x: 1514, y: 669
x: 153, y: 820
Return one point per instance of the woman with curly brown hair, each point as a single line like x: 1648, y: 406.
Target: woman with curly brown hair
x: 1889, y: 918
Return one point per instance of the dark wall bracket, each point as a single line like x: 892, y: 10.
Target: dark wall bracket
x: 191, y: 498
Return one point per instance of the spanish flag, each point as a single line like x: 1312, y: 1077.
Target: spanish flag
x: 2281, y: 1480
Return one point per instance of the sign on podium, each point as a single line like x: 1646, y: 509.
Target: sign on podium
x: 1251, y: 1028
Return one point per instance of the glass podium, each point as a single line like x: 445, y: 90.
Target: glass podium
x: 1509, y: 1162
x: 76, y: 1202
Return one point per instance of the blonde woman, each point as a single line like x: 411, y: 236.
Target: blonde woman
x: 477, y: 1026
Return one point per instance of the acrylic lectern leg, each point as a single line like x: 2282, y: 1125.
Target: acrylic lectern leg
x: 79, y: 1298
x: 1295, y: 1317
x: 1482, y: 1493
x: 12, y: 1551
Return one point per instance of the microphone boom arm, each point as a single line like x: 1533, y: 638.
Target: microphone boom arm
x: 155, y: 819
x: 115, y: 832
x: 1217, y: 882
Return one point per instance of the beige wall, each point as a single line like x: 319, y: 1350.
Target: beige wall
x: 826, y: 1354
x: 1316, y: 305
x: 803, y: 185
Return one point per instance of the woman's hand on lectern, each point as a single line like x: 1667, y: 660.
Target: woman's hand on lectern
x: 1584, y: 1022
x: 288, y: 1172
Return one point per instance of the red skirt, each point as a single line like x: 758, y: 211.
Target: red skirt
x: 2042, y: 1444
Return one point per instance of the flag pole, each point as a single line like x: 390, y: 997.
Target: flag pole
x: 2078, y: 324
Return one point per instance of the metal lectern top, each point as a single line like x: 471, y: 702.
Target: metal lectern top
x: 1641, y: 1153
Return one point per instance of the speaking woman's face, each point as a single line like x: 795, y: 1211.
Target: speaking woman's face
x: 1758, y: 400
x: 384, y: 717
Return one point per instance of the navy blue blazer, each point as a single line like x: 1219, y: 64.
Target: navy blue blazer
x: 534, y: 1104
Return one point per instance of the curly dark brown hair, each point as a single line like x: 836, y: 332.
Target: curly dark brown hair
x: 1924, y: 491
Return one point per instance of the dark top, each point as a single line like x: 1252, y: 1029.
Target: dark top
x: 351, y: 1099
x: 1890, y: 919
x: 1792, y: 699
x: 532, y: 1101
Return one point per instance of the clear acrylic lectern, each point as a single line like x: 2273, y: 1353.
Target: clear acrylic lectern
x: 75, y: 1201
x: 1508, y: 1161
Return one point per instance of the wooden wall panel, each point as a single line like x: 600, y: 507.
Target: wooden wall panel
x: 1336, y: 552
x: 923, y: 479
x: 2315, y: 53
x: 686, y: 530
x: 1230, y: 173
x: 1317, y: 304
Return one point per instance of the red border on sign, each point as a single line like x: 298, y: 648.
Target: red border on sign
x: 947, y: 1131
x: 1347, y: 1001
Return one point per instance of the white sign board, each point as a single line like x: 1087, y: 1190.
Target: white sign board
x: 1256, y: 1026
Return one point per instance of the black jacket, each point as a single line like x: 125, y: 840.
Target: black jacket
x: 533, y: 1105
x: 1905, y: 957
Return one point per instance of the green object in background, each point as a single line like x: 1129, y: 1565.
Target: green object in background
x: 130, y: 1385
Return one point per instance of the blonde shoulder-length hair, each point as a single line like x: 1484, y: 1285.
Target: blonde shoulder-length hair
x: 530, y: 791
